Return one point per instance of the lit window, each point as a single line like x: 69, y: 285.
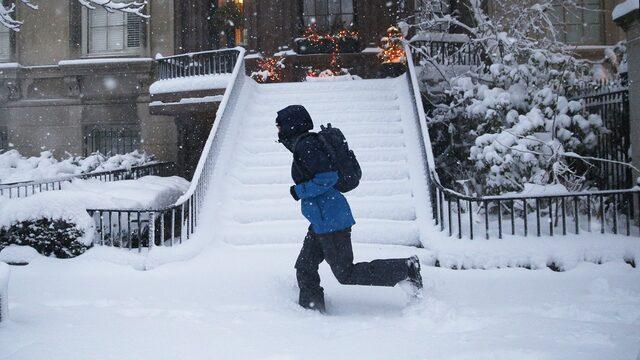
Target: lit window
x: 113, y: 31
x: 582, y: 25
x: 328, y: 14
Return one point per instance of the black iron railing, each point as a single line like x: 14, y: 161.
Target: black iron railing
x: 28, y: 188
x: 193, y: 64
x: 139, y: 229
x: 446, y: 53
x: 606, y: 211
x: 611, y: 102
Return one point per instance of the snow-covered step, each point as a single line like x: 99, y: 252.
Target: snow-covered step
x: 282, y: 176
x: 319, y: 87
x: 293, y: 231
x: 269, y: 191
x: 282, y: 157
x: 329, y: 96
x: 335, y: 106
x: 356, y: 143
x: 349, y: 130
x: 390, y: 208
x: 335, y: 117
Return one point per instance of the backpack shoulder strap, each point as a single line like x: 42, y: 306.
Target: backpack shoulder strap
x: 328, y: 148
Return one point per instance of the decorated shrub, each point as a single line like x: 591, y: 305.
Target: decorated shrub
x: 270, y: 70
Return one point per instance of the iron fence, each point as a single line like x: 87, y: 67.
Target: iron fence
x: 606, y: 211
x: 447, y: 53
x: 611, y: 102
x: 201, y: 63
x: 28, y: 188
x: 139, y: 229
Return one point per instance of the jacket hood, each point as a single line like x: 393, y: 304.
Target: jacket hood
x: 294, y: 120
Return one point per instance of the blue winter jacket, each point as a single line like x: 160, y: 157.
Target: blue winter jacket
x: 314, y: 175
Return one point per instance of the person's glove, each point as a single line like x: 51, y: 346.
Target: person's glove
x: 292, y: 190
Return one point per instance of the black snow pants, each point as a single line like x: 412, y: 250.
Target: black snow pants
x: 336, y: 249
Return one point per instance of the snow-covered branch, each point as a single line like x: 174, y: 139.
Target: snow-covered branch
x: 7, y: 18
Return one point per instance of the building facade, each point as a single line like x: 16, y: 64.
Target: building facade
x: 76, y: 80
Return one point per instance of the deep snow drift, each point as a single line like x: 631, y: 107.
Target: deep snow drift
x: 239, y: 303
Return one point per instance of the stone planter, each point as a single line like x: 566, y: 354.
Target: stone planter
x: 348, y: 45
x: 392, y: 69
x: 305, y: 47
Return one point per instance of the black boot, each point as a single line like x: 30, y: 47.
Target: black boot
x: 413, y: 284
x: 415, y: 278
x: 312, y: 301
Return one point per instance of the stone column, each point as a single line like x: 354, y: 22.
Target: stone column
x: 629, y: 21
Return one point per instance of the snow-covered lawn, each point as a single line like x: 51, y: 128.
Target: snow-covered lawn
x: 239, y: 303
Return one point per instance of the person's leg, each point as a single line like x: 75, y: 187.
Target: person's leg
x: 338, y: 252
x: 311, y: 293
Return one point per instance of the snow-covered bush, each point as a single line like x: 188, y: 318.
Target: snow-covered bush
x: 15, y: 167
x: 55, y: 224
x: 508, y: 122
x: 48, y: 237
x: 518, y: 128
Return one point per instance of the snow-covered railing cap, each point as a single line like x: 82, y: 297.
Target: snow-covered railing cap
x: 4, y: 292
x: 626, y: 8
x: 221, y: 111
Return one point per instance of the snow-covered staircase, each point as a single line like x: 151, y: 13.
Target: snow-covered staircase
x: 252, y: 193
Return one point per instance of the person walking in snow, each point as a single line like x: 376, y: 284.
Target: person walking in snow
x: 329, y: 234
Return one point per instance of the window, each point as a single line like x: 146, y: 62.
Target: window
x: 438, y: 7
x: 111, y: 140
x: 5, y: 44
x: 4, y: 141
x: 582, y: 25
x: 113, y: 32
x: 328, y: 14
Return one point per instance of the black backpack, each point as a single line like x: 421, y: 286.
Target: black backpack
x: 342, y: 158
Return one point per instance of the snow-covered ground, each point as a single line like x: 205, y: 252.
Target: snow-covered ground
x: 239, y: 303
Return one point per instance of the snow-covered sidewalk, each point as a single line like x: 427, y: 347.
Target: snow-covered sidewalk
x: 239, y: 303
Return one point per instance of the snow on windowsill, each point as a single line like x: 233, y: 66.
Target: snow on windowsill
x: 93, y: 61
x: 10, y: 65
x: 190, y: 83
x: 371, y: 50
x: 625, y: 8
x: 185, y: 101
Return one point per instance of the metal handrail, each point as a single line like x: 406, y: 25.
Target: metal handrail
x: 200, y: 63
x: 173, y: 224
x: 618, y: 205
x: 28, y: 188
